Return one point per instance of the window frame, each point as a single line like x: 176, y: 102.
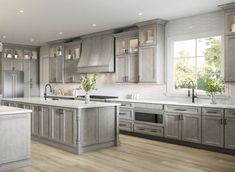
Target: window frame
x: 170, y: 61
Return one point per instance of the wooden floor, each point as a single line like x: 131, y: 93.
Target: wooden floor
x: 134, y: 154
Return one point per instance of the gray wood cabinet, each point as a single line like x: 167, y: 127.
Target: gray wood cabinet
x: 212, y: 127
x: 229, y: 129
x: 90, y: 120
x: 127, y: 47
x: 191, y: 128
x: 172, y: 125
x: 64, y: 126
x: 229, y: 58
x: 147, y: 64
x: 56, y: 63
x: 36, y: 121
x: 151, y: 51
x: 183, y: 123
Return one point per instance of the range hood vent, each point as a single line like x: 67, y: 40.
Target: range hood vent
x: 97, y: 54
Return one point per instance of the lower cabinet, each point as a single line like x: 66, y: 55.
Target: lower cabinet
x: 125, y: 125
x: 101, y: 128
x: 212, y: 127
x: 186, y: 127
x: 64, y: 126
x: 230, y: 129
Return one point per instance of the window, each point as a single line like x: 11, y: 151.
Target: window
x: 195, y: 60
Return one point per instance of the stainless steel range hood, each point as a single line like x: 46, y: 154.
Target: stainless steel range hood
x: 97, y: 54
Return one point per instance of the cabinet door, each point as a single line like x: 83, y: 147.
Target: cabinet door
x: 121, y: 68
x: 17, y: 65
x: 89, y: 126
x: 52, y: 69
x: 172, y: 125
x: 34, y: 71
x: 57, y: 122
x: 36, y: 121
x: 106, y: 124
x: 15, y: 137
x: 191, y: 128
x: 121, y: 46
x: 26, y: 71
x: 147, y: 71
x: 69, y: 127
x: 229, y: 58
x: 46, y: 122
x: 59, y: 69
x: 147, y: 35
x: 230, y: 133
x: 133, y: 68
x: 212, y: 130
x: 70, y: 72
x: 7, y: 64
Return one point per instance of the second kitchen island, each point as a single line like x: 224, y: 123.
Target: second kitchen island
x: 71, y: 125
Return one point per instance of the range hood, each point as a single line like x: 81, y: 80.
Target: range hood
x: 97, y: 54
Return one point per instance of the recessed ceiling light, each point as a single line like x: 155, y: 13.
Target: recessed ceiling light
x: 94, y: 25
x: 60, y: 33
x: 32, y: 40
x: 21, y: 11
x: 3, y: 36
x: 140, y: 14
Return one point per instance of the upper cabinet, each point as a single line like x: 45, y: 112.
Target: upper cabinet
x: 56, y: 63
x: 71, y: 58
x: 152, y: 51
x: 229, y: 43
x: 127, y: 48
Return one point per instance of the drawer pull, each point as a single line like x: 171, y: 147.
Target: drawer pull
x: 212, y: 112
x: 154, y: 131
x: 141, y: 129
x: 122, y: 114
x: 122, y: 125
x: 182, y: 110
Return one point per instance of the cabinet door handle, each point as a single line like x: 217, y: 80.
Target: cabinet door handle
x: 211, y: 112
x: 179, y: 109
x: 225, y: 121
x: 221, y: 121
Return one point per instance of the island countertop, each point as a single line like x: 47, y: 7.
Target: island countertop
x: 61, y: 103
x: 5, y: 110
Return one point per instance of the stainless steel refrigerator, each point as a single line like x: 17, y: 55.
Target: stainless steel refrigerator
x: 13, y: 84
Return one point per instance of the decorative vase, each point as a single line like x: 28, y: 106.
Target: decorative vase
x: 87, y: 98
x: 213, y: 98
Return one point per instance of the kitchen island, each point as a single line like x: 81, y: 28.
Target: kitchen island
x: 14, y: 138
x: 71, y: 125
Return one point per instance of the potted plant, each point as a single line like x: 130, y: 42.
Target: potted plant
x: 213, y: 86
x: 88, y: 84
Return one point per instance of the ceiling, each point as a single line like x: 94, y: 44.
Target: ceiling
x: 43, y: 20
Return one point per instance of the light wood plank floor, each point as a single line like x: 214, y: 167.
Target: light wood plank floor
x: 134, y: 155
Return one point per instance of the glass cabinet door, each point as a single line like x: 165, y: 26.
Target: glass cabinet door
x: 133, y: 45
x: 27, y: 54
x: 59, y: 51
x: 231, y: 23
x: 53, y: 52
x: 8, y: 53
x: 148, y: 36
x: 72, y: 53
x: 34, y: 55
x: 18, y: 54
x: 121, y: 46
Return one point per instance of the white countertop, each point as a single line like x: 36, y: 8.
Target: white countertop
x: 166, y: 102
x: 5, y: 110
x: 61, y: 103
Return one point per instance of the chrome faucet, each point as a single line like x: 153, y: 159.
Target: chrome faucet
x: 193, y: 91
x: 45, y: 93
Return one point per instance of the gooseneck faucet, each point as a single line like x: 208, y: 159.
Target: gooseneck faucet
x: 193, y: 91
x: 45, y: 93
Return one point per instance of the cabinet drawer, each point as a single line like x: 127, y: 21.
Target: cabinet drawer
x: 125, y: 125
x: 212, y: 112
x: 147, y: 129
x: 183, y: 109
x: 230, y: 113
x: 125, y: 105
x: 148, y: 106
x: 126, y: 114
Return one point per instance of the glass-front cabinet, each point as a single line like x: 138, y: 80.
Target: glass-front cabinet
x: 127, y: 43
x: 72, y: 56
x: 147, y: 35
x: 230, y: 17
x: 56, y: 63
